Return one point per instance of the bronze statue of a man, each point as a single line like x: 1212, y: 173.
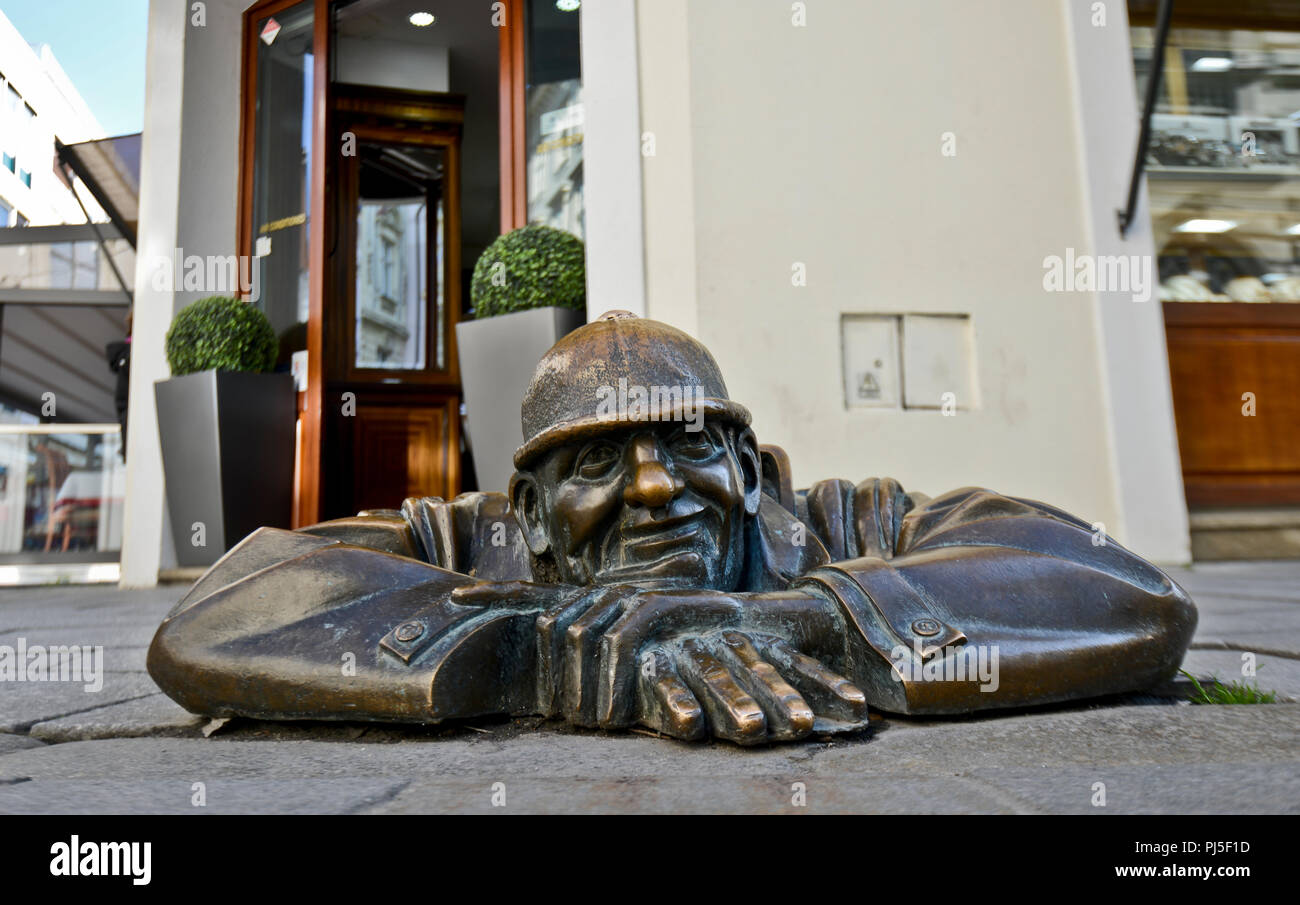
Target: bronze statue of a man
x: 652, y: 565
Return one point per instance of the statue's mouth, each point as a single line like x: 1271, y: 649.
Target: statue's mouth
x: 660, y: 549
x: 653, y: 534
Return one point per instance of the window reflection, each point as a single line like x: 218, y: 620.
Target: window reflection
x: 397, y: 272
x: 555, y: 117
x: 61, y: 492
x: 1224, y: 164
x: 282, y: 169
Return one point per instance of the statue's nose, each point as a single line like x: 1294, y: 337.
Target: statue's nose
x: 651, y: 485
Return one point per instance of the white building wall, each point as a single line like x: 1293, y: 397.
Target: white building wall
x: 779, y: 144
x: 60, y: 112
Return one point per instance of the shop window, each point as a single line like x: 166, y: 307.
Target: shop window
x: 554, y: 116
x: 1224, y: 163
x: 4, y: 214
x: 281, y: 168
x: 1223, y: 178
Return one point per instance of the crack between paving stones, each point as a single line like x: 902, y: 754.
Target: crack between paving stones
x: 26, y: 728
x: 1245, y: 649
x: 1235, y: 597
x: 380, y: 800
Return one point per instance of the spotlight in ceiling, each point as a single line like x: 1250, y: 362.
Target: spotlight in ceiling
x: 567, y: 6
x: 1205, y: 226
x: 422, y: 19
x: 1212, y: 64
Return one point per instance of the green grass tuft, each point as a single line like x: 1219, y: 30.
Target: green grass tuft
x: 1232, y: 693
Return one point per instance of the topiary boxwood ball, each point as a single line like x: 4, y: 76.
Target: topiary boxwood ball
x: 221, y: 333
x: 530, y: 267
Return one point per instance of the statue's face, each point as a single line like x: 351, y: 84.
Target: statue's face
x: 652, y: 506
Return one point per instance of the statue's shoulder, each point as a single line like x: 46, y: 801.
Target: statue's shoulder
x: 474, y: 533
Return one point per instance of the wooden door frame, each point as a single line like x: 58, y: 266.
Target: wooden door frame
x: 307, y: 466
x: 309, y: 475
x: 428, y: 119
x: 343, y: 362
x: 511, y: 97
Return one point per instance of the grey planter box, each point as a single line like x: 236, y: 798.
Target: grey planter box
x: 228, y: 448
x: 497, y: 358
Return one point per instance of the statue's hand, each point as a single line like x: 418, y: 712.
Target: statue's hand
x: 744, y: 687
x: 680, y: 662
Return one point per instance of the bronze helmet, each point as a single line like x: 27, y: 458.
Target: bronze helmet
x: 563, y: 401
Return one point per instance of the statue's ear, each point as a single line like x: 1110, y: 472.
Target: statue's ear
x: 526, y: 501
x: 751, y: 468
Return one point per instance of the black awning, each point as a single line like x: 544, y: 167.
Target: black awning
x: 110, y: 169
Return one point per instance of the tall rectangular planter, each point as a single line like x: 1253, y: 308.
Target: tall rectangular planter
x: 228, y: 448
x: 497, y: 358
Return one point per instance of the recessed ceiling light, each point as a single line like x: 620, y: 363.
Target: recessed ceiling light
x: 1205, y: 226
x: 1212, y: 64
x: 422, y: 19
x: 567, y: 6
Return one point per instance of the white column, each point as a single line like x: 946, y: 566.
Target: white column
x: 160, y: 169
x: 612, y: 158
x: 668, y: 190
x: 1135, y: 365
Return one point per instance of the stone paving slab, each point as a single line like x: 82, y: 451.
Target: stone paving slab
x: 1152, y: 759
x: 1272, y: 788
x: 11, y: 742
x: 230, y: 796
x: 109, y: 637
x: 667, y: 794
x: 28, y: 609
x: 1232, y: 789
x: 24, y: 704
x: 155, y: 714
x: 1179, y: 789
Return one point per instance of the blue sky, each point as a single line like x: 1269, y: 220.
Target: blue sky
x: 100, y: 44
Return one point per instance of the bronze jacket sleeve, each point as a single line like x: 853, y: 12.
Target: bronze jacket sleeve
x: 356, y: 619
x: 975, y: 600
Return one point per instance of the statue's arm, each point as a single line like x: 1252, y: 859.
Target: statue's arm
x: 1068, y: 613
x: 295, y: 625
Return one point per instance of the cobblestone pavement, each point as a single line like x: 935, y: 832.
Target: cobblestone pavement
x: 126, y: 748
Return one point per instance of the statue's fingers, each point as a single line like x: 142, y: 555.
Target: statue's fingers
x: 552, y: 625
x: 654, y: 616
x: 667, y: 703
x: 830, y: 694
x: 581, y: 656
x: 732, y: 712
x: 618, y: 662
x: 788, y: 715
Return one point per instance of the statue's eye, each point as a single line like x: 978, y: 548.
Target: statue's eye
x: 694, y: 445
x: 597, y: 460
